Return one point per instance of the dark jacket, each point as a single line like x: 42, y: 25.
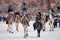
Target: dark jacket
x: 38, y: 18
x: 10, y: 9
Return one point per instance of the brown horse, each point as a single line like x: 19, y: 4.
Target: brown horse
x: 17, y: 19
x: 24, y: 22
x: 10, y: 22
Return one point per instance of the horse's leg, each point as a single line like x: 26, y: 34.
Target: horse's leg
x: 10, y: 28
x: 51, y: 27
x: 28, y: 22
x: 17, y: 26
x: 38, y: 29
x: 38, y: 32
x: 25, y: 31
x: 44, y: 27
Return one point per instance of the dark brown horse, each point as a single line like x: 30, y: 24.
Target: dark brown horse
x: 38, y: 24
x: 39, y: 28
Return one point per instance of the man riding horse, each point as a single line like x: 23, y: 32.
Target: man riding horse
x: 10, y: 19
x: 38, y: 25
x: 25, y: 11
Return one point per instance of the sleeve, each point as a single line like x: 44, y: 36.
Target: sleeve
x: 36, y: 19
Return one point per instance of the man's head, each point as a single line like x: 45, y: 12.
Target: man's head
x: 24, y: 3
x: 39, y: 13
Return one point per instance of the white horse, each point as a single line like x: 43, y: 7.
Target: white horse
x: 51, y: 21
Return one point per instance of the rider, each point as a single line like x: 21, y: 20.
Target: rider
x: 38, y: 20
x: 10, y: 13
x: 24, y: 10
x: 26, y: 18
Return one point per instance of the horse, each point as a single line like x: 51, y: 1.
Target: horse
x: 24, y: 21
x: 17, y: 19
x: 9, y: 21
x: 44, y: 21
x: 51, y: 22
x: 47, y: 17
x: 39, y: 28
x: 38, y: 24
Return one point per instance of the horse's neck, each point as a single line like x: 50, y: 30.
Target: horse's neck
x: 51, y: 19
x: 50, y: 16
x: 17, y: 17
x: 24, y: 21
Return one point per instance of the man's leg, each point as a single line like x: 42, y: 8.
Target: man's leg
x: 17, y: 26
x: 34, y: 26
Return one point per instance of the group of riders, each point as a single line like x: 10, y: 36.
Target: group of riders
x: 23, y: 18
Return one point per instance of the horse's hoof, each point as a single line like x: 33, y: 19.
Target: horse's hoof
x: 28, y: 25
x: 50, y: 30
x: 26, y: 34
x: 53, y: 30
x: 34, y: 28
x: 43, y: 29
x: 38, y: 35
x: 17, y: 29
x: 12, y: 32
x: 7, y: 30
